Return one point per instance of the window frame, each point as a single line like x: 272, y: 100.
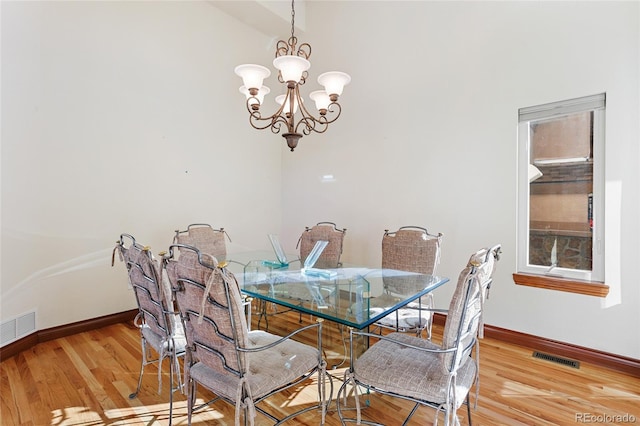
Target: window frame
x: 597, y: 105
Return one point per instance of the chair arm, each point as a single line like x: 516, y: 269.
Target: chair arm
x: 283, y: 339
x: 435, y: 310
x: 234, y: 261
x: 405, y: 344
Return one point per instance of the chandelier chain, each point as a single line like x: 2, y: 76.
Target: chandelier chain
x: 293, y: 18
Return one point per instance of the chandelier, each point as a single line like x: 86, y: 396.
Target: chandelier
x: 292, y: 63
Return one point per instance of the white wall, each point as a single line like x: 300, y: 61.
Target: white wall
x: 125, y: 117
x: 121, y: 117
x: 428, y: 137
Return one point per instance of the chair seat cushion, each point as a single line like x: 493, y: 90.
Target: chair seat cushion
x: 268, y: 370
x: 407, y: 319
x: 407, y: 371
x: 160, y: 345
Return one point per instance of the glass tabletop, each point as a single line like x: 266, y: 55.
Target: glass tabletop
x: 353, y: 296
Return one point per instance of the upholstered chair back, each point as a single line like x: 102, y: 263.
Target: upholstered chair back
x: 153, y: 299
x: 323, y: 231
x: 463, y: 318
x: 209, y: 301
x: 205, y: 238
x: 411, y: 249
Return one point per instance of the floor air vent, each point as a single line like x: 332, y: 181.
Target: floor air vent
x: 556, y: 359
x: 16, y: 328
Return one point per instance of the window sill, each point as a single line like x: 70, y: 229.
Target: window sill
x: 589, y: 288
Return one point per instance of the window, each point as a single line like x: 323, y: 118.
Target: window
x: 561, y: 189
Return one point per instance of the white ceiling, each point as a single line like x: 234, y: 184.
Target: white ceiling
x: 273, y: 18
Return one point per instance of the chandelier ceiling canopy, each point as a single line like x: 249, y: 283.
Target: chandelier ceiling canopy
x: 292, y: 63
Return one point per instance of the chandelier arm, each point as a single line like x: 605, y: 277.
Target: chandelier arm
x: 318, y: 124
x: 255, y: 119
x: 310, y: 124
x: 276, y: 125
x: 307, y: 119
x: 276, y: 114
x: 273, y: 121
x: 337, y: 112
x: 251, y: 101
x: 303, y: 109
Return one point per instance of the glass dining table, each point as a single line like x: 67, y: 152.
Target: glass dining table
x: 350, y: 295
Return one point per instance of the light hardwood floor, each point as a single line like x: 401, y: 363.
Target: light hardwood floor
x: 85, y: 379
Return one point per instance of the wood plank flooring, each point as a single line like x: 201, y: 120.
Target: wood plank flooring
x: 86, y: 379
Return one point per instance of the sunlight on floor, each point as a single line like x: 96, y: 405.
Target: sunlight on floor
x: 75, y: 416
x: 153, y: 414
x: 608, y: 391
x: 515, y: 389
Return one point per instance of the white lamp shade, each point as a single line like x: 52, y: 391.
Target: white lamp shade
x: 334, y: 81
x: 291, y: 67
x: 284, y: 98
x: 264, y: 90
x: 252, y: 75
x: 321, y: 99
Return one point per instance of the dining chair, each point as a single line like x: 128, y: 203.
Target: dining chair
x: 205, y: 237
x: 212, y: 241
x: 239, y: 366
x: 159, y: 324
x: 323, y: 231
x: 487, y: 258
x: 329, y: 258
x: 409, y: 367
x: 411, y: 249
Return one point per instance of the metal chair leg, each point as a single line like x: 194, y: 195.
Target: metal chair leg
x: 143, y: 362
